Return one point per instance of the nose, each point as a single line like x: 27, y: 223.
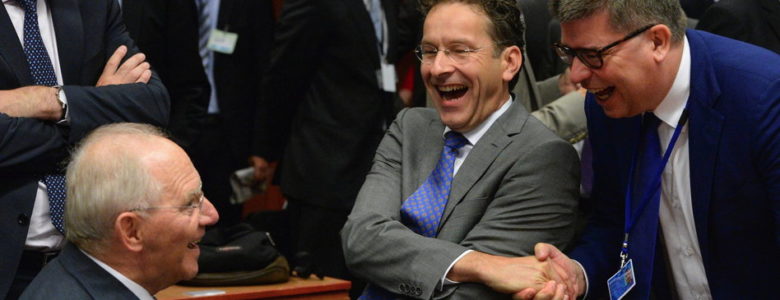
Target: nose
x: 578, y: 72
x: 208, y: 213
x: 441, y: 64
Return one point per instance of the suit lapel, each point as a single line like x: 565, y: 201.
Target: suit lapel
x: 69, y: 31
x: 705, y: 127
x: 11, y: 50
x: 495, y: 140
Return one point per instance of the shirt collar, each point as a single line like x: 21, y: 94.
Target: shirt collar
x: 475, y: 134
x: 671, y: 108
x: 135, y: 288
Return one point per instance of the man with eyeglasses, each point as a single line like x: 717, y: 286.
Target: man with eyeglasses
x: 135, y: 214
x: 457, y: 191
x: 685, y: 129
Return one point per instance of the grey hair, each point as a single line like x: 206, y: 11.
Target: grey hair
x: 625, y: 15
x: 106, y: 177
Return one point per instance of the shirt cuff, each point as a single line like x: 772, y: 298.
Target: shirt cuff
x: 584, y: 274
x: 444, y: 281
x: 64, y: 98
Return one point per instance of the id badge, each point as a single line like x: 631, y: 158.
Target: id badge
x: 222, y: 41
x: 388, y: 77
x: 622, y: 282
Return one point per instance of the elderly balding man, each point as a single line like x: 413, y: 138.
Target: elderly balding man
x: 135, y: 213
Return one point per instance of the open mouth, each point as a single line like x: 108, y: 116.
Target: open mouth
x: 603, y: 93
x: 452, y: 92
x: 193, y: 244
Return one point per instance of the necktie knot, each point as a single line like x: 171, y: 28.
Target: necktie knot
x: 29, y: 6
x: 454, y: 140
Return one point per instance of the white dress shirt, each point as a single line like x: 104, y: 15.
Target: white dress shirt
x: 41, y: 235
x: 678, y: 228
x: 473, y: 137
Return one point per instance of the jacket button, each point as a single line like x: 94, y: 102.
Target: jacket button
x: 418, y: 291
x: 403, y: 288
x: 23, y: 219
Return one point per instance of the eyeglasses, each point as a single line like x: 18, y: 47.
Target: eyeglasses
x: 458, y: 54
x: 186, y: 209
x: 592, y: 58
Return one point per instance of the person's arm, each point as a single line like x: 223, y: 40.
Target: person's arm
x: 537, y: 200
x: 299, y: 39
x: 184, y: 75
x: 92, y: 106
x: 377, y: 246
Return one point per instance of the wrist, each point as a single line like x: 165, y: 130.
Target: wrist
x: 63, y: 103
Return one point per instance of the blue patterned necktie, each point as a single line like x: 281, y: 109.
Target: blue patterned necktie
x: 42, y: 73
x: 422, y: 211
x: 643, y: 237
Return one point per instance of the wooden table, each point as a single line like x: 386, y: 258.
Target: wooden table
x: 296, y: 288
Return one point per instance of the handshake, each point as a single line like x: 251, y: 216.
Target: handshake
x: 549, y: 274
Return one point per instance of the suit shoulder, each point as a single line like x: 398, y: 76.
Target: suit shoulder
x: 54, y: 282
x: 416, y: 116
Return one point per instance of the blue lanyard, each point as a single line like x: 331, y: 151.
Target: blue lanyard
x: 649, y: 193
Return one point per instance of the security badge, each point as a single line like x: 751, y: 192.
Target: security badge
x: 222, y: 41
x: 622, y: 282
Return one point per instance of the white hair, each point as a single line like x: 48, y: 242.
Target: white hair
x: 106, y: 177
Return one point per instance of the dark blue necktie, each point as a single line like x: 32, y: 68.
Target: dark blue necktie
x: 43, y: 74
x: 644, y: 235
x: 422, y: 211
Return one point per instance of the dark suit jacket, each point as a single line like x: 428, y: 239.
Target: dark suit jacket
x: 87, y: 33
x: 72, y: 275
x: 734, y: 106
x: 237, y: 76
x: 753, y: 21
x: 517, y: 187
x: 323, y: 98
x: 167, y: 32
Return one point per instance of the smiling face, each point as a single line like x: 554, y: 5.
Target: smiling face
x: 466, y: 93
x: 630, y: 80
x: 173, y: 231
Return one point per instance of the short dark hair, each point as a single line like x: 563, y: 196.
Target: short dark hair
x: 506, y: 26
x: 625, y: 15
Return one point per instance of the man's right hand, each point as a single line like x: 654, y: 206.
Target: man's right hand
x: 568, y: 271
x: 133, y: 70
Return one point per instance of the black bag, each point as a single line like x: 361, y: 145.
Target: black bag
x: 239, y: 255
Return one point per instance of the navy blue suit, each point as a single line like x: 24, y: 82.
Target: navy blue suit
x: 734, y: 143
x: 87, y: 34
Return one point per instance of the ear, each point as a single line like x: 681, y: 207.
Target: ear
x: 661, y: 36
x: 128, y: 228
x: 511, y: 60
